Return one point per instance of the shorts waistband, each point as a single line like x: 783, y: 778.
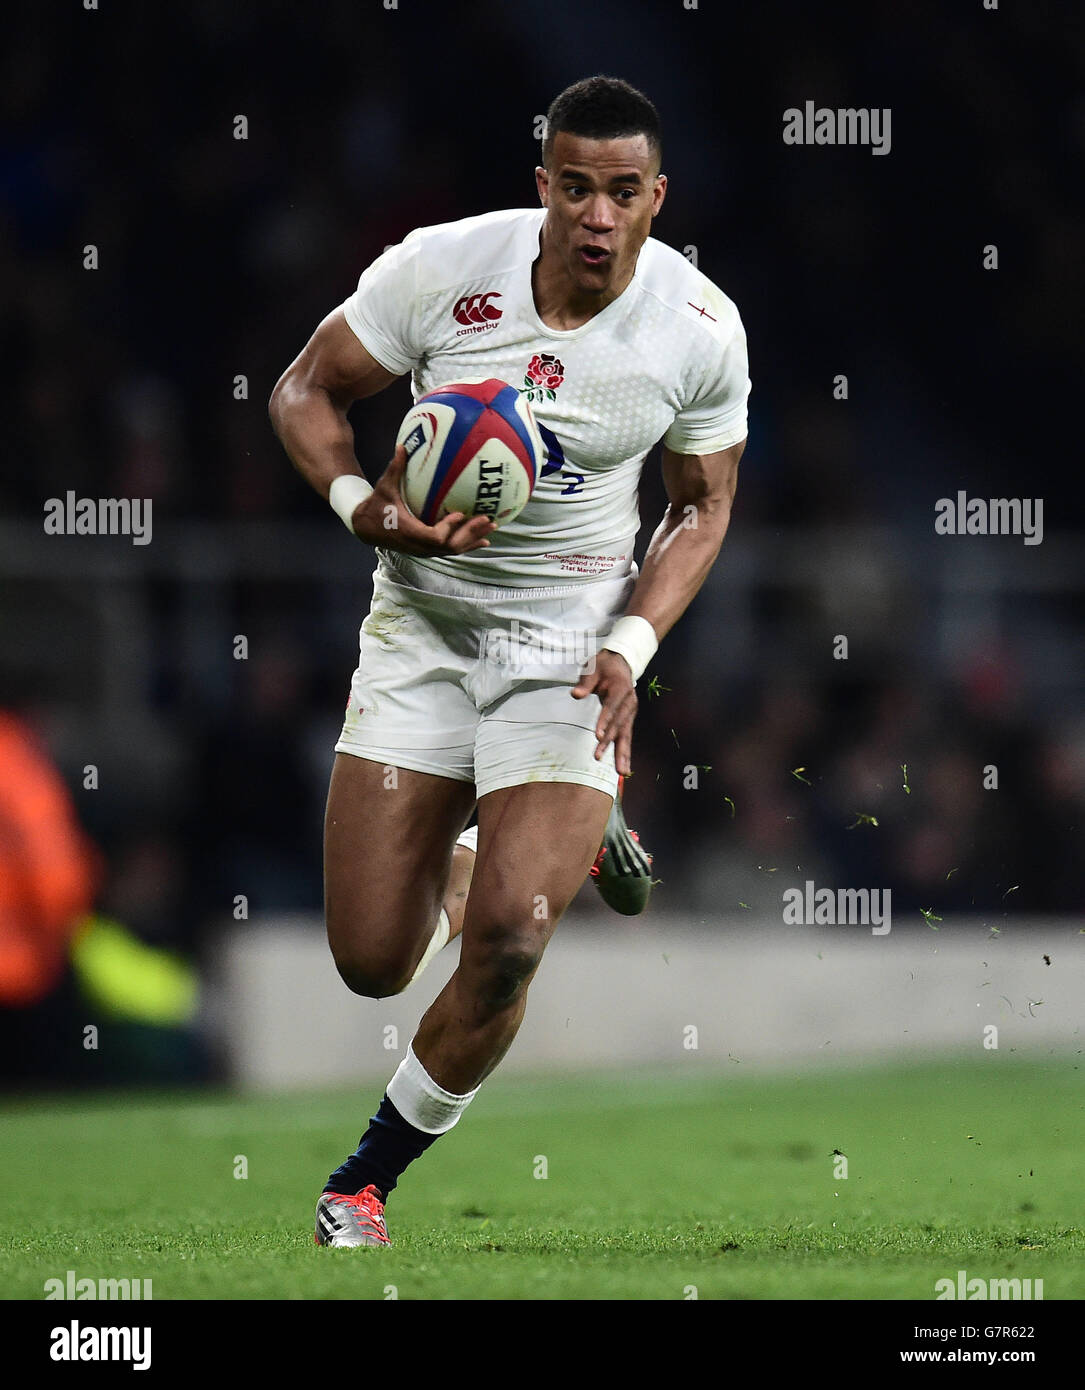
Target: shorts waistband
x: 405, y: 569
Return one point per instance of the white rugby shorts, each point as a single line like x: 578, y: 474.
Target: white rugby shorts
x: 470, y: 682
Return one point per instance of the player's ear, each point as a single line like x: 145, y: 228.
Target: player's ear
x: 659, y: 192
x: 542, y: 183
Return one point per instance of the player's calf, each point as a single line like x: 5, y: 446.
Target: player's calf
x: 472, y: 1023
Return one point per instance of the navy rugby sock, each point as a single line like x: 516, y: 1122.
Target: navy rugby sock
x: 386, y: 1148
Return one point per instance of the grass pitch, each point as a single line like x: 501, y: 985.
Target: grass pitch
x: 655, y: 1185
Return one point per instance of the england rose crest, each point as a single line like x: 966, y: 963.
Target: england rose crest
x: 544, y: 374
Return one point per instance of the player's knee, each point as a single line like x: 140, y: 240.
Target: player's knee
x: 508, y: 971
x: 373, y: 977
x: 372, y: 951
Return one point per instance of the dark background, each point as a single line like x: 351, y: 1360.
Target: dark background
x: 219, y: 256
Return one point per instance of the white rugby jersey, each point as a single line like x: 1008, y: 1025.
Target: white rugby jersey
x: 665, y: 360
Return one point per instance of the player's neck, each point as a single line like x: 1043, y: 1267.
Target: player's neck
x: 558, y: 301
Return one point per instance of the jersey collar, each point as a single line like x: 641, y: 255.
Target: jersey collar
x: 614, y: 310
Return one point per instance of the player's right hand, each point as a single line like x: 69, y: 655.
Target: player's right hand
x: 384, y: 519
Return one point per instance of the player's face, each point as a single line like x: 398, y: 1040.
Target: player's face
x: 600, y: 196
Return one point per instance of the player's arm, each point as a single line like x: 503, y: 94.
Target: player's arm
x: 700, y: 491
x: 308, y: 411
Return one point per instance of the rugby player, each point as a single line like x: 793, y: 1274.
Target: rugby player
x: 620, y: 343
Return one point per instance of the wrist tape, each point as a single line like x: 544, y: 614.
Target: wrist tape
x: 635, y: 639
x: 346, y: 492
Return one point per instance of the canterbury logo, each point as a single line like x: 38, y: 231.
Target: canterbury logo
x: 476, y: 308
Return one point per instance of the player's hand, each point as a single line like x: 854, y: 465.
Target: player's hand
x: 384, y: 519
x: 612, y: 680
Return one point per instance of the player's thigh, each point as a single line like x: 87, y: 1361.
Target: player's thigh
x: 536, y: 843
x: 389, y: 833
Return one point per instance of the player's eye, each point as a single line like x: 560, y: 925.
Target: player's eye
x: 574, y: 189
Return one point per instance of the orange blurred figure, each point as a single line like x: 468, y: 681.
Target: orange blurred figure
x: 49, y: 869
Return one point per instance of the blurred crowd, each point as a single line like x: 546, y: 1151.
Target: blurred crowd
x: 217, y: 257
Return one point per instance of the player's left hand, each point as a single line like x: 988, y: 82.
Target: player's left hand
x: 611, y: 679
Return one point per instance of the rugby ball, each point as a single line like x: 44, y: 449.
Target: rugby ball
x: 472, y: 447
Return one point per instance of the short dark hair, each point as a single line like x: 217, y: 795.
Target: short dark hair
x: 602, y: 108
